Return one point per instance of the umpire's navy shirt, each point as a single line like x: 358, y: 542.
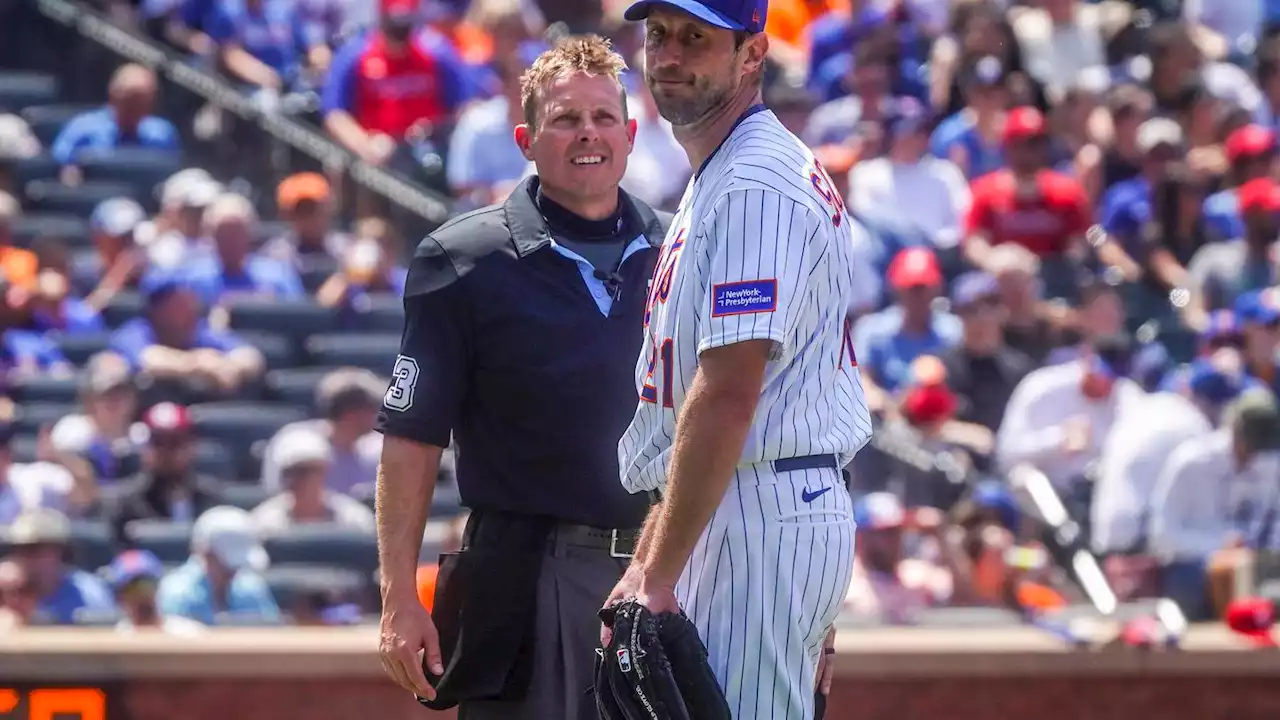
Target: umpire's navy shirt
x: 512, y: 347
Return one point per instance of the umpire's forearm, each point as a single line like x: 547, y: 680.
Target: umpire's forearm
x: 646, y: 534
x: 709, y: 438
x: 406, y: 483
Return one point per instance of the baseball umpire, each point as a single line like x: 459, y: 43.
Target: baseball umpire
x: 522, y: 328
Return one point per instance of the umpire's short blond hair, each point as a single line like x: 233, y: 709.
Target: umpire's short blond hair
x: 590, y: 54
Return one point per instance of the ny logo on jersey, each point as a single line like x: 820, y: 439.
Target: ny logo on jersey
x: 827, y: 191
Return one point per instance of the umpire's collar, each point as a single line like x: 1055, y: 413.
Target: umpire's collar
x: 529, y: 230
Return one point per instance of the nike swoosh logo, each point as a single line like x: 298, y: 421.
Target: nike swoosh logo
x: 809, y: 497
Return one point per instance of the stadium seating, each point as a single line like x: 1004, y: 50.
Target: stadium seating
x: 52, y: 196
x: 299, y: 584
x: 213, y: 459
x: 140, y: 168
x: 169, y: 541
x: 44, y: 389
x: 70, y: 229
x: 92, y: 544
x: 30, y: 417
x: 325, y: 544
x: 78, y: 348
x: 241, y: 425
x: 246, y: 495
x: 47, y: 120
x: 40, y: 167
x: 372, y: 351
x: 123, y: 307
x: 295, y: 320
x: 19, y: 90
x: 296, y: 386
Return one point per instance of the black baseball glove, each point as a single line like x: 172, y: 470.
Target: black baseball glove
x: 655, y: 668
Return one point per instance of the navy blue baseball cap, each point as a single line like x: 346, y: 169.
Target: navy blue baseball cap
x: 742, y: 15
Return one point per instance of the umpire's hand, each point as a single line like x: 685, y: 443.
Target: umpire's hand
x: 408, y: 635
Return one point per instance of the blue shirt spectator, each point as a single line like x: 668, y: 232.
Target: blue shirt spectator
x: 78, y: 591
x: 1124, y: 210
x: 1221, y: 216
x: 961, y: 131
x: 31, y: 350
x: 39, y: 539
x: 213, y: 281
x: 126, y: 121
x: 884, y: 343
x: 887, y: 350
x: 270, y: 30
x: 483, y: 154
x: 138, y: 334
x: 220, y: 580
x: 232, y: 269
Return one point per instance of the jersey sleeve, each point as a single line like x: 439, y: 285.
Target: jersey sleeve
x: 430, y: 378
x: 759, y: 246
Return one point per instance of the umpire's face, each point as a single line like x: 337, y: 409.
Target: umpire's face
x: 580, y: 136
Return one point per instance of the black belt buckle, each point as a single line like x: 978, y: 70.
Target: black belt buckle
x: 614, y: 552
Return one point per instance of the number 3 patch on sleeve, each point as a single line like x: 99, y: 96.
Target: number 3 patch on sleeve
x: 404, y: 377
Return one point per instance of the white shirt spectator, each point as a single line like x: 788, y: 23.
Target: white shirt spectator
x: 275, y: 514
x: 929, y: 197
x: 346, y: 470
x: 658, y: 168
x: 1132, y: 459
x: 1034, y: 429
x: 1057, y: 54
x: 34, y: 485
x: 483, y: 151
x: 1202, y: 497
x: 1239, y: 22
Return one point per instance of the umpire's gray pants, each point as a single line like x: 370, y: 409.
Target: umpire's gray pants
x: 571, y: 588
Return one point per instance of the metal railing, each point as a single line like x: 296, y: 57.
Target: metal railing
x: 89, y: 24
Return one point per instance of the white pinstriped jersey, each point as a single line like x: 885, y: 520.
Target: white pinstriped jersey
x: 760, y: 248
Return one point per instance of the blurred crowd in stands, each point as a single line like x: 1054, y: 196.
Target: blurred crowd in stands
x: 1066, y: 215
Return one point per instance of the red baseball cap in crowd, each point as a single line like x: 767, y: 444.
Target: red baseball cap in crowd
x: 167, y: 418
x: 400, y: 8
x: 1252, y: 617
x: 1260, y: 195
x: 914, y: 266
x: 1023, y: 123
x: 1250, y: 141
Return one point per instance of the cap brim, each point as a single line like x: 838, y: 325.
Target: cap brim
x: 640, y: 11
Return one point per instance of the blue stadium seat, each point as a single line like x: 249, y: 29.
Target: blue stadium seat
x: 241, y: 425
x: 295, y: 584
x: 213, y: 459
x: 20, y: 90
x: 30, y: 417
x: 54, y: 197
x: 324, y: 543
x: 381, y: 313
x: 91, y: 544
x: 170, y: 541
x: 372, y: 351
x: 142, y: 168
x: 246, y: 495
x: 78, y: 348
x: 96, y: 617
x: 296, y: 386
x: 276, y: 349
x: 47, y: 121
x: 40, y: 167
x: 72, y: 230
x: 124, y: 307
x: 296, y: 320
x: 44, y: 388
x: 23, y: 448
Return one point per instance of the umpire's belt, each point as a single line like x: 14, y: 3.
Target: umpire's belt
x: 618, y: 543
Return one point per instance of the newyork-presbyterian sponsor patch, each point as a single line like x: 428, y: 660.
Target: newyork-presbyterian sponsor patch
x: 744, y: 297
